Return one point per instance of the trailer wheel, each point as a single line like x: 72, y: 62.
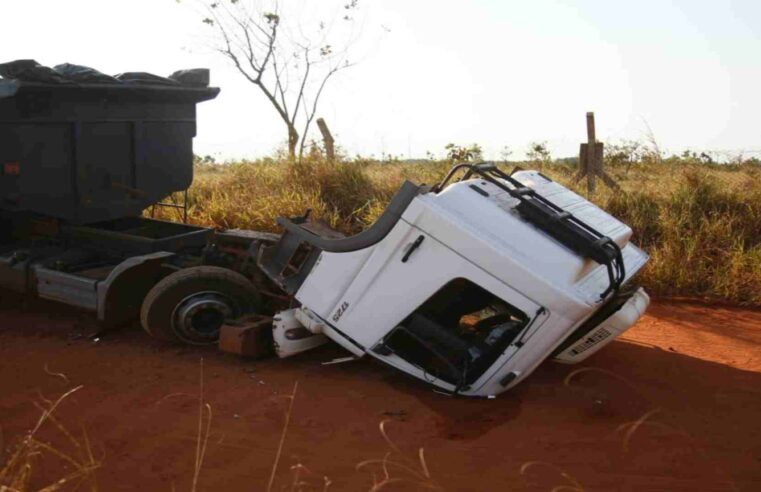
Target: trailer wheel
x: 192, y: 304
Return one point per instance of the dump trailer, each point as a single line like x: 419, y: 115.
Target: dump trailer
x: 467, y: 285
x: 80, y: 163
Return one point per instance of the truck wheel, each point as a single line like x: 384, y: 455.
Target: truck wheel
x: 191, y: 305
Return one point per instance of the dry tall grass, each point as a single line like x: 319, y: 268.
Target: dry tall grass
x: 74, y: 457
x: 701, y: 223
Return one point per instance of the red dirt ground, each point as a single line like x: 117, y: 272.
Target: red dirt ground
x: 693, y: 371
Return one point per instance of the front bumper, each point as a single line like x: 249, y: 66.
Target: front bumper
x: 602, y: 334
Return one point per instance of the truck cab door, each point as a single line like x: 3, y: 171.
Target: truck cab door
x: 423, y: 308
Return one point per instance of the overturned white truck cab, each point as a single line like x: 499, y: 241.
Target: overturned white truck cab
x: 468, y: 285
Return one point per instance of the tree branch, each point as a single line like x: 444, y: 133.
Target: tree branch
x: 287, y: 67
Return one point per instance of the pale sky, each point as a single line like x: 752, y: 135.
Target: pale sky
x: 497, y: 72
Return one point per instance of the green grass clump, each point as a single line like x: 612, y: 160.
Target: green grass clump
x: 700, y: 223
x: 704, y: 238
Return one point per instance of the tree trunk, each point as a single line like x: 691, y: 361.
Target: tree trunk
x: 293, y: 140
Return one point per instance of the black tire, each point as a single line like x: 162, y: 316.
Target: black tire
x: 204, y: 286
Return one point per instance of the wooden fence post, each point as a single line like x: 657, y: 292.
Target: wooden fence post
x: 591, y: 158
x: 327, y: 139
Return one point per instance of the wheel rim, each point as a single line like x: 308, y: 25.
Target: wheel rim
x: 198, y: 317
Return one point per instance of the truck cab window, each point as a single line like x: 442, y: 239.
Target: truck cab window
x: 458, y: 333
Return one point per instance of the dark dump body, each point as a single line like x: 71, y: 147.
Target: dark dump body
x: 90, y: 152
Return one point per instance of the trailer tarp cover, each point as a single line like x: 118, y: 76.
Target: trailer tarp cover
x: 81, y: 82
x: 68, y: 73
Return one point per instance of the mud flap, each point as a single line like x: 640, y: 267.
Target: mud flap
x: 121, y: 293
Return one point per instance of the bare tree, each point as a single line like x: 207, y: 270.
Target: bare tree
x: 288, y: 61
